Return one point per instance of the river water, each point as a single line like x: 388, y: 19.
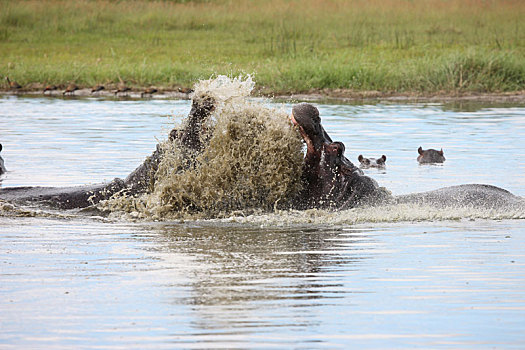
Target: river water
x: 285, y: 280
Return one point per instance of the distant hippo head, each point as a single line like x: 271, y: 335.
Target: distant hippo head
x: 430, y: 156
x: 371, y: 162
x: 2, y: 166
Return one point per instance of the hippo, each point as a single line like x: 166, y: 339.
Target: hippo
x: 136, y: 183
x: 3, y: 170
x: 430, y: 156
x: 366, y: 163
x: 329, y: 179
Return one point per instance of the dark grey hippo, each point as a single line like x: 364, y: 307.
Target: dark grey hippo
x: 430, y: 155
x: 3, y: 170
x: 366, y: 163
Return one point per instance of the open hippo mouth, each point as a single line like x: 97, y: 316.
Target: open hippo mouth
x: 329, y: 178
x: 306, y: 118
x: 318, y: 143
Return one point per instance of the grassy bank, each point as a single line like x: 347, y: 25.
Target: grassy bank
x: 423, y: 46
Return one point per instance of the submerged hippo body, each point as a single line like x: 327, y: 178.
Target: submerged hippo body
x: 62, y: 197
x: 470, y: 195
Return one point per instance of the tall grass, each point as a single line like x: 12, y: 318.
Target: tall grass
x: 290, y: 46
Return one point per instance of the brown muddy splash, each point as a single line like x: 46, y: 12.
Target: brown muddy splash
x: 252, y: 163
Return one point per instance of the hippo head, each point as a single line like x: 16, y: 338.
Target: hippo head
x: 371, y: 162
x: 329, y: 178
x: 2, y: 166
x: 430, y: 156
x: 306, y: 118
x: 190, y: 135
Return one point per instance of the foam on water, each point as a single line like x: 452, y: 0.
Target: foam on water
x: 313, y: 217
x: 390, y: 213
x: 10, y: 210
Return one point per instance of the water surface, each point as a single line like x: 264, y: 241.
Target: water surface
x: 81, y: 282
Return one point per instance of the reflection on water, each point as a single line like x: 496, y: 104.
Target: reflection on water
x: 201, y: 285
x: 286, y: 280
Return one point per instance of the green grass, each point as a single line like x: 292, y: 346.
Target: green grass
x: 423, y: 46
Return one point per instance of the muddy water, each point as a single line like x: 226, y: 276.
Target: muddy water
x: 286, y: 280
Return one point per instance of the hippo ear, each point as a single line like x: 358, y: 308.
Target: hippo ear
x: 383, y: 157
x: 0, y: 147
x: 360, y: 158
x: 441, y: 152
x: 342, y: 146
x: 420, y: 150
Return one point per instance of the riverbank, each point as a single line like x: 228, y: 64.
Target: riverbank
x: 394, y: 47
x: 340, y: 95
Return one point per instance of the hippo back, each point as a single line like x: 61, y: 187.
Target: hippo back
x: 471, y: 195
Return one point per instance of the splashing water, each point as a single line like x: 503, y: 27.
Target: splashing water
x: 225, y: 89
x: 253, y: 161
